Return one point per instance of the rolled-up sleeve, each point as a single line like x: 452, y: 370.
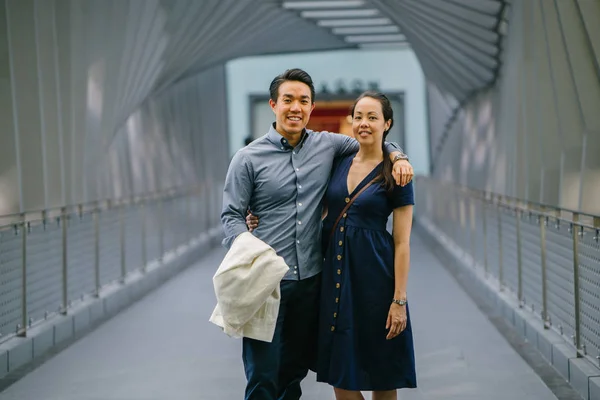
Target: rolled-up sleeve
x: 236, y: 197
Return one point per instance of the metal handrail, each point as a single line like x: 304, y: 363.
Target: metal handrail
x: 23, y: 222
x: 94, y: 206
x: 533, y: 207
x: 455, y: 214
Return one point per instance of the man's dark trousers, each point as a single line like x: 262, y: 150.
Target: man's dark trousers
x: 274, y: 370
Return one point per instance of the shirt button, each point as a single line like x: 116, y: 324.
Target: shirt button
x: 339, y: 257
x: 342, y: 229
x: 332, y: 328
x: 282, y: 148
x: 339, y: 271
x: 294, y: 152
x: 337, y: 299
x: 299, y: 222
x: 347, y: 200
x: 345, y: 215
x: 334, y: 315
x: 337, y: 285
x: 295, y: 267
x: 297, y: 241
x: 297, y: 169
x: 340, y: 242
x: 300, y: 204
x: 295, y: 272
x: 299, y: 186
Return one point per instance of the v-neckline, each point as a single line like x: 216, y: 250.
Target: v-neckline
x: 362, y: 182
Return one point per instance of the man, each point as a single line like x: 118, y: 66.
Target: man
x: 282, y: 178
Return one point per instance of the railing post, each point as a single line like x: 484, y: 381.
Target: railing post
x: 189, y: 220
x: 485, y: 252
x: 22, y: 327
x: 122, y: 241
x: 161, y: 229
x: 543, y: 221
x: 575, y: 237
x: 519, y: 260
x: 144, y: 245
x: 472, y: 224
x: 96, y: 216
x: 65, y: 262
x: 500, y: 250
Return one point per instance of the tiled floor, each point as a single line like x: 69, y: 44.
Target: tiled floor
x: 164, y: 348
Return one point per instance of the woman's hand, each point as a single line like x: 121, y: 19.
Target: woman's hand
x: 396, y: 320
x: 251, y: 221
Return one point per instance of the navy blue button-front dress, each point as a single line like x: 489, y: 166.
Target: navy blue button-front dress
x: 357, y: 290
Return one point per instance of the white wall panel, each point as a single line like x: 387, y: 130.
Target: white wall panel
x: 541, y: 143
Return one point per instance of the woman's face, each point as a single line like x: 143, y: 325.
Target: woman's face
x: 368, y: 123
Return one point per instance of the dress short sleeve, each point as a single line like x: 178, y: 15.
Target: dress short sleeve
x: 403, y: 195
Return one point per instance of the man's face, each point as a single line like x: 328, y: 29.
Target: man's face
x: 293, y: 107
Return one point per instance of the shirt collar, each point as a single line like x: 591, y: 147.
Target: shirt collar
x: 281, y: 142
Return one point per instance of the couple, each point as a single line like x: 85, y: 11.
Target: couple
x: 345, y: 291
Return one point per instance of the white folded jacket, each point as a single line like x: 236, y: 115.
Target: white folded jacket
x: 247, y: 288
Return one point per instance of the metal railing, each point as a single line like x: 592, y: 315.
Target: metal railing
x: 548, y: 258
x: 51, y: 259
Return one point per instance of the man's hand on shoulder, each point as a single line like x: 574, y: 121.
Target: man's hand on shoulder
x: 402, y: 172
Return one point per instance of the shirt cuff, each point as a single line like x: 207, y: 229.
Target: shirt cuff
x: 234, y: 233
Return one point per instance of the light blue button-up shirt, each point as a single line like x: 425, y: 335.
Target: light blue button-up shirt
x: 284, y: 187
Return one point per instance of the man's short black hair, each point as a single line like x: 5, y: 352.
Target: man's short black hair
x: 294, y: 74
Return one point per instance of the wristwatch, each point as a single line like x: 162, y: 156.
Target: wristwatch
x: 400, y: 156
x: 401, y: 302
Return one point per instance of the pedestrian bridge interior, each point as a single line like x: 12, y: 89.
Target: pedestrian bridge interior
x: 114, y: 147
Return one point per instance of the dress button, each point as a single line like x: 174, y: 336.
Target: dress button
x: 340, y: 242
x: 339, y: 271
x: 332, y: 328
x: 334, y: 315
x: 339, y: 257
x: 342, y: 229
x: 347, y: 200
x: 345, y: 215
x: 337, y: 285
x: 337, y: 299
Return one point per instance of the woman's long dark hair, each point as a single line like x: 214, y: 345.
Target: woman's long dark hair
x: 388, y: 115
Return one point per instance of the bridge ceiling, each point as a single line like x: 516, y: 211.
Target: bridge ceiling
x: 456, y: 41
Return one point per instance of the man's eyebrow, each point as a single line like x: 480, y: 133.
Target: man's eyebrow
x: 292, y: 96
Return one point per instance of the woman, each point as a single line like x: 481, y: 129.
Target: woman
x: 365, y: 338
